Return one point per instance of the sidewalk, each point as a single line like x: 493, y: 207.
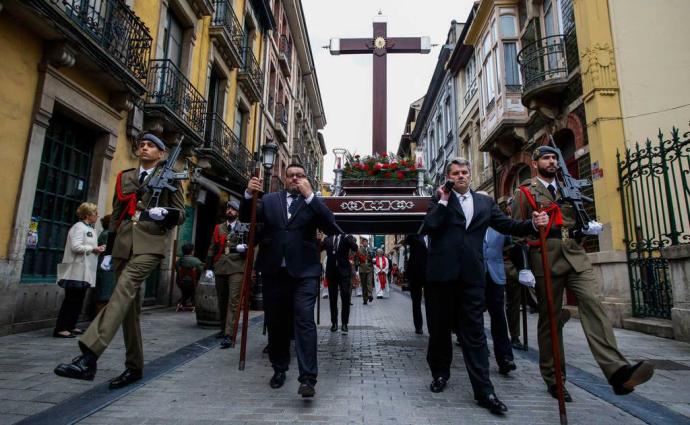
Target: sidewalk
x: 375, y: 375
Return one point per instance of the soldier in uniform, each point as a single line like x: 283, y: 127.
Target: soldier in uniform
x: 364, y: 269
x: 138, y: 241
x: 570, y: 268
x: 226, y: 258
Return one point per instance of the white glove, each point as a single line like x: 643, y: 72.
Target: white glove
x: 106, y: 264
x: 593, y: 228
x: 526, y: 278
x: 209, y: 274
x: 158, y: 213
x: 241, y: 248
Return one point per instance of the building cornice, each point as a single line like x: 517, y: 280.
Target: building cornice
x: 485, y: 9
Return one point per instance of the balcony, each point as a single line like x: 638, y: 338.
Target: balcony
x: 285, y: 54
x: 281, y: 122
x: 174, y: 99
x: 227, y: 33
x: 223, y: 148
x: 110, y: 34
x: 471, y: 91
x: 544, y: 67
x: 250, y: 77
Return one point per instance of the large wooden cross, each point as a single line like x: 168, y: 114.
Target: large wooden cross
x: 380, y: 46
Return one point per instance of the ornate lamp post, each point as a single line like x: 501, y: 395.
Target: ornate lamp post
x: 338, y: 170
x: 268, y: 157
x: 419, y: 165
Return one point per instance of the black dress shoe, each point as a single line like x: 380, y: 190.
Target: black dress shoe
x: 83, y: 367
x: 344, y: 329
x: 59, y: 335
x: 625, y: 379
x: 306, y: 389
x: 554, y: 393
x: 506, y: 366
x: 371, y: 298
x: 129, y: 376
x: 277, y: 380
x: 493, y: 404
x: 438, y: 384
x: 419, y: 331
x: 365, y: 301
x: 516, y: 344
x: 334, y: 328
x: 226, y: 343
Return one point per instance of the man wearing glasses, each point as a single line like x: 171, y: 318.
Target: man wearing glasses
x: 288, y: 261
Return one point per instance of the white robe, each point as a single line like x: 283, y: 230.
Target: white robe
x: 381, y: 266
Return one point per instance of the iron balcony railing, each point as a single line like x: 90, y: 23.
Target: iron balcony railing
x: 223, y: 142
x: 281, y: 116
x: 542, y: 61
x: 250, y: 69
x: 471, y: 91
x: 285, y: 49
x: 116, y: 28
x: 224, y: 18
x: 170, y: 89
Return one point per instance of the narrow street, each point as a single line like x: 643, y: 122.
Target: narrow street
x: 377, y: 374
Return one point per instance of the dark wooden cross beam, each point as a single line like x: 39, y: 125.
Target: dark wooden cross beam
x: 380, y: 46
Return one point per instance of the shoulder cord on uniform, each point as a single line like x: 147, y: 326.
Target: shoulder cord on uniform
x: 219, y: 241
x: 129, y: 199
x: 553, y: 210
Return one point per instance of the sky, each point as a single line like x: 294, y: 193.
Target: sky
x: 346, y: 81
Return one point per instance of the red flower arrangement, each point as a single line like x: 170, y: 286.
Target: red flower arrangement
x: 383, y: 166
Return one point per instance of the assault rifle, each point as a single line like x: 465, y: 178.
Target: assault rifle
x: 570, y: 189
x: 165, y: 178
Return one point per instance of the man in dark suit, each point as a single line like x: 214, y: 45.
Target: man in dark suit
x: 416, y: 276
x: 338, y: 273
x: 288, y: 261
x: 456, y: 223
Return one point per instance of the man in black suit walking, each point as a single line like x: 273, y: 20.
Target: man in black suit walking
x: 288, y: 261
x: 338, y: 274
x: 456, y: 223
x: 416, y: 276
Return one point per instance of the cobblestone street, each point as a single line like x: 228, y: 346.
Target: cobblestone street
x: 377, y: 374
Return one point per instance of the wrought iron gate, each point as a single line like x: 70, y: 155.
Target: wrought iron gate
x: 654, y: 187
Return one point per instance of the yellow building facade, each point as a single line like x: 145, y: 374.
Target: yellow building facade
x: 80, y: 81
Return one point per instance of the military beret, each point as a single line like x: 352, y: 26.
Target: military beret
x: 543, y: 150
x: 153, y: 139
x: 235, y: 205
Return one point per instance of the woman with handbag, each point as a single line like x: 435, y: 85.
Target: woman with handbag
x: 77, y: 272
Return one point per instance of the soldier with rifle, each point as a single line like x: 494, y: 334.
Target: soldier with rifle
x: 147, y: 205
x: 555, y: 191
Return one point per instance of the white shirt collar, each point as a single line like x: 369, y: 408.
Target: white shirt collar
x: 468, y: 194
x: 547, y: 184
x: 148, y: 170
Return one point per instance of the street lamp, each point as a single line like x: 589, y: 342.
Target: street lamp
x: 339, y: 164
x: 268, y: 158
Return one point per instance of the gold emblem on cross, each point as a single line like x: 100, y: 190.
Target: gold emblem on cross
x: 380, y: 43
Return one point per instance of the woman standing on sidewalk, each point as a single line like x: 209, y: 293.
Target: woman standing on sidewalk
x: 77, y: 272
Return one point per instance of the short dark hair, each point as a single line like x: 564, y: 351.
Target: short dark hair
x: 187, y: 248
x: 295, y: 165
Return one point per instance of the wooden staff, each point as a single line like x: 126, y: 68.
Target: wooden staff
x: 246, y: 282
x: 555, y: 343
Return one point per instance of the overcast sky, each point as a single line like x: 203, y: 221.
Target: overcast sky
x: 346, y: 81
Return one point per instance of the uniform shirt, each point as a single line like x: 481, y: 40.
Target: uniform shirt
x: 547, y: 184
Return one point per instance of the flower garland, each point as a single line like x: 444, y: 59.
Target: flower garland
x: 383, y: 166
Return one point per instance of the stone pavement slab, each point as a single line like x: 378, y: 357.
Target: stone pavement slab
x: 377, y: 374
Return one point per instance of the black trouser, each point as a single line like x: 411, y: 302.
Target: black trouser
x: 187, y: 290
x: 458, y: 305
x: 513, y: 302
x: 416, y: 295
x: 337, y: 281
x: 495, y: 304
x: 290, y: 301
x: 71, y: 307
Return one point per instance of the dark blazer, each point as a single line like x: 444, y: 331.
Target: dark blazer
x: 456, y: 251
x: 294, y: 239
x: 340, y: 261
x: 416, y: 264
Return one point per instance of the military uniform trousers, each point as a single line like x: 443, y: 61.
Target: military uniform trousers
x: 123, y: 308
x: 595, y: 323
x: 513, y: 301
x: 228, y: 287
x: 366, y: 279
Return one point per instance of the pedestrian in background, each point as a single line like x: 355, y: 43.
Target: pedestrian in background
x: 105, y: 279
x: 416, y: 276
x: 77, y: 272
x: 364, y: 269
x: 381, y: 266
x: 188, y: 270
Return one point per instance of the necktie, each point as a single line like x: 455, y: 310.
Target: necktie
x: 552, y: 191
x: 142, y: 177
x: 293, y: 205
